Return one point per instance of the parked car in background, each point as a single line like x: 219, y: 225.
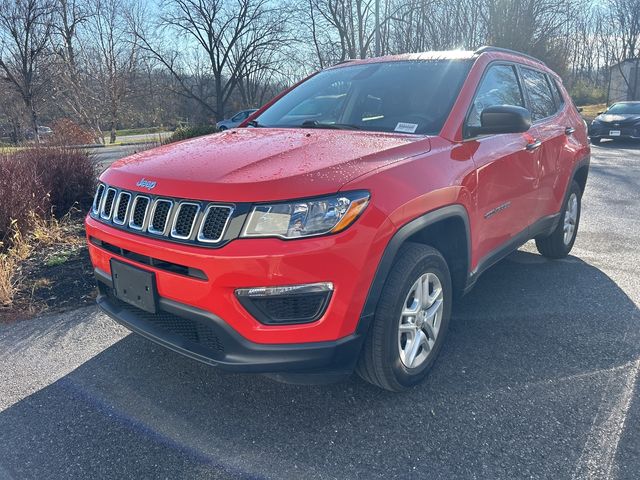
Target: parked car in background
x: 620, y: 120
x: 236, y: 120
x: 335, y: 234
x: 43, y: 132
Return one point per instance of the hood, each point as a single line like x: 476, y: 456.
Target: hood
x: 262, y: 164
x: 628, y: 119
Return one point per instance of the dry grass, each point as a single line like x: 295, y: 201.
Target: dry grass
x: 8, y: 282
x: 9, y: 261
x: 44, y: 232
x: 51, y: 231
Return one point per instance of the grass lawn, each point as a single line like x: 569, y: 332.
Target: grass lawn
x: 136, y: 137
x: 140, y: 131
x: 589, y: 112
x: 5, y: 150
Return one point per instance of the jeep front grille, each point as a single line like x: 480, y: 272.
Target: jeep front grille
x: 186, y: 221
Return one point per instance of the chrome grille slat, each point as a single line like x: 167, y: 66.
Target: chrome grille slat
x: 180, y: 220
x: 121, y: 208
x: 97, y: 200
x: 159, y: 216
x: 139, y: 210
x: 107, y: 203
x: 214, y: 223
x: 184, y: 220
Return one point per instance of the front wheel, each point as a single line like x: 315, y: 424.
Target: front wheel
x: 561, y: 240
x: 410, y: 322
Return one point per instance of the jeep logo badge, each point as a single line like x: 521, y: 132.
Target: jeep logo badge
x: 148, y: 184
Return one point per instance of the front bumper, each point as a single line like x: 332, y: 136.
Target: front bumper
x: 207, y: 279
x: 207, y: 338
x: 603, y: 131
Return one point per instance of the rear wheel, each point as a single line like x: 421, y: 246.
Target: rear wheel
x: 596, y: 141
x: 561, y: 240
x: 410, y: 322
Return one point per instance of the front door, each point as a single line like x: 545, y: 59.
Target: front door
x: 507, y: 170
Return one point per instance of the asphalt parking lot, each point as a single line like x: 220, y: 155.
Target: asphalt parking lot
x: 105, y: 156
x: 538, y: 379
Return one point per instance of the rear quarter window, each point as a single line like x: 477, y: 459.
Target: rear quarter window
x: 556, y: 91
x: 542, y: 103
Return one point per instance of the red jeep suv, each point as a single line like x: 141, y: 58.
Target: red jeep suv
x: 333, y: 231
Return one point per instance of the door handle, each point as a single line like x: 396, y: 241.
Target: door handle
x: 533, y: 145
x: 569, y: 130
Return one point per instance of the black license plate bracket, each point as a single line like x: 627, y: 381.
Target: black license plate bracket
x: 134, y: 286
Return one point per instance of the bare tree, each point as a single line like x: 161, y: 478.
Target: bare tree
x: 74, y: 89
x: 347, y: 23
x: 25, y: 26
x: 625, y: 42
x: 114, y: 56
x: 531, y: 26
x: 230, y: 36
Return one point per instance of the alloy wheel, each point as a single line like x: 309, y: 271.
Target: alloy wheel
x: 420, y: 320
x: 570, y: 218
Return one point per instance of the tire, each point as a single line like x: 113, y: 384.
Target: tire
x: 222, y: 129
x: 386, y: 351
x: 596, y: 141
x: 557, y: 245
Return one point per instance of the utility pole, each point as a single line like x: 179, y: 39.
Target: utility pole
x: 377, y: 32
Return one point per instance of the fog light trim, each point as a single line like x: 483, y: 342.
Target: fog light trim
x: 287, y: 304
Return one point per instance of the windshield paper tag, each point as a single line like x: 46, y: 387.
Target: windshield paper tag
x: 406, y: 127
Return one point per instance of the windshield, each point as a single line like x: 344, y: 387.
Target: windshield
x: 407, y: 97
x: 624, y: 108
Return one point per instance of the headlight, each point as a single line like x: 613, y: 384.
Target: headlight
x: 305, y: 218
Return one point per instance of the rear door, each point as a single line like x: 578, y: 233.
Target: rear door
x: 507, y: 172
x: 550, y: 130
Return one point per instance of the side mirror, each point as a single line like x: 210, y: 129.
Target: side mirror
x: 502, y: 119
x: 580, y: 109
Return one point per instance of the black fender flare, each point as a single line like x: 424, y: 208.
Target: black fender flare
x: 391, y: 250
x: 584, y: 162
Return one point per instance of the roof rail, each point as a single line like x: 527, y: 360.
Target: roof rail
x: 346, y: 60
x: 487, y: 48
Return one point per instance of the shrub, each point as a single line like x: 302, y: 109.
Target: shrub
x: 21, y: 191
x: 69, y: 178
x: 67, y: 132
x: 42, y: 181
x: 583, y: 93
x: 191, y: 131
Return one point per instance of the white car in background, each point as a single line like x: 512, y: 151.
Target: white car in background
x: 236, y: 120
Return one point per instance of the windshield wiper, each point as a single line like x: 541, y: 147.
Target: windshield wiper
x: 334, y: 126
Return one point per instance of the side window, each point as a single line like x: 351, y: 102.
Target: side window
x: 498, y: 87
x: 542, y: 103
